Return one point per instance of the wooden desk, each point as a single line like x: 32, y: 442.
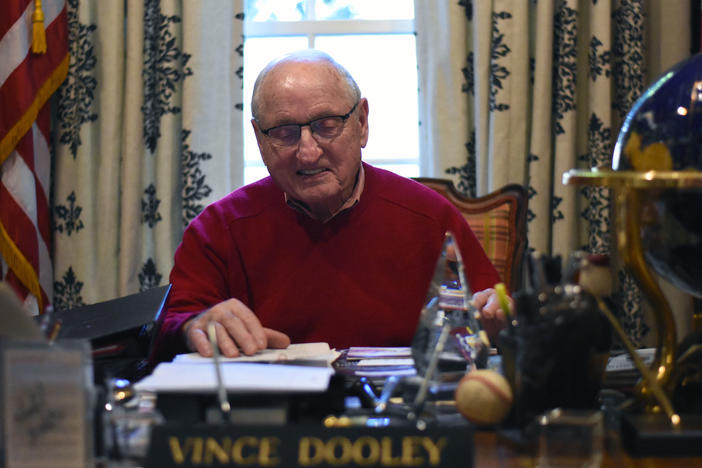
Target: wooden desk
x: 492, y: 450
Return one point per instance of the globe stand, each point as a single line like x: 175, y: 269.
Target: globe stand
x: 650, y: 422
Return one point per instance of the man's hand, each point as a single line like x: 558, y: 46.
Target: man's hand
x: 237, y: 328
x: 492, y: 316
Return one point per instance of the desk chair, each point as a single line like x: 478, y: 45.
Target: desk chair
x: 498, y: 220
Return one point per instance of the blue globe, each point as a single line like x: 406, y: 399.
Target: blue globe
x: 663, y: 132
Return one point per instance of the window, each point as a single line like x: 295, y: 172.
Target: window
x: 373, y: 39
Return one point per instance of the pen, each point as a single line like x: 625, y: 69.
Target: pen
x: 221, y: 391
x: 537, y: 273
x: 421, y: 396
x: 367, y: 392
x: 388, y: 389
x: 50, y: 326
x: 501, y: 292
x: 54, y: 331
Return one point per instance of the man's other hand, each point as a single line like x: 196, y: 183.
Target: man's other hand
x: 237, y: 328
x: 491, y: 314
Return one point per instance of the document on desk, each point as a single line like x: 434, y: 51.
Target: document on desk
x: 319, y: 352
x: 378, y: 352
x: 237, y: 377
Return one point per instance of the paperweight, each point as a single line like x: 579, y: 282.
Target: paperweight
x: 570, y: 438
x: 449, y: 333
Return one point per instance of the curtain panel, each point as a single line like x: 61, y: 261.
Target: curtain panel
x: 517, y: 91
x: 147, y: 133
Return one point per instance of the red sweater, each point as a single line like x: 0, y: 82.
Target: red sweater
x: 358, y: 280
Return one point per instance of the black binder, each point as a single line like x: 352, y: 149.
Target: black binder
x: 121, y: 331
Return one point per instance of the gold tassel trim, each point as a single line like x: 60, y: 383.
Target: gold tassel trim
x: 38, y: 32
x: 24, y: 123
x: 20, y: 266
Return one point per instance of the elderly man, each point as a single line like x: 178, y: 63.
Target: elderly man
x: 327, y: 248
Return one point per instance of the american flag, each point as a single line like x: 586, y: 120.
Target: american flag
x: 33, y: 63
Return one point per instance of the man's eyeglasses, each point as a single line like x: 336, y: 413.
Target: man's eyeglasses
x: 325, y: 128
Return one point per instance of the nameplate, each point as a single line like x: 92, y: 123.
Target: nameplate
x: 308, y: 446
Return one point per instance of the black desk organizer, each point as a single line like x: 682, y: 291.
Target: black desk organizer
x: 646, y: 435
x: 121, y: 332
x: 291, y: 408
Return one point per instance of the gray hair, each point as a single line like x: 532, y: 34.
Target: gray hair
x: 306, y: 55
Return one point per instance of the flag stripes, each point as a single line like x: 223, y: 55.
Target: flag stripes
x: 25, y: 88
x: 27, y: 80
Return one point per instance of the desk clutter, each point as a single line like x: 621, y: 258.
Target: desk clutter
x: 556, y: 344
x: 552, y: 374
x: 313, y: 406
x: 552, y: 385
x: 298, y: 410
x: 559, y: 352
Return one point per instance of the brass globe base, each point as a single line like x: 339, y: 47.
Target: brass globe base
x: 629, y: 188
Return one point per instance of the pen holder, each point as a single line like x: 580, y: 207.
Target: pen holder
x: 556, y: 359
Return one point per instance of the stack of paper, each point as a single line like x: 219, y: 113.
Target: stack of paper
x: 621, y: 371
x: 178, y: 377
x: 272, y: 370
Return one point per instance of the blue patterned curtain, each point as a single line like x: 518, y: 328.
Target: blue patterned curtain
x: 147, y: 133
x: 525, y: 91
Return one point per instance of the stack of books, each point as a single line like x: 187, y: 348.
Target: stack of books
x: 376, y: 363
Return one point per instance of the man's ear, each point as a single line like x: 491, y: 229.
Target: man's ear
x: 259, y: 137
x: 363, y: 120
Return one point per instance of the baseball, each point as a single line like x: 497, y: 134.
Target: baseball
x: 483, y: 396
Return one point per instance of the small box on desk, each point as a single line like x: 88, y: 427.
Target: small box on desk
x: 225, y: 445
